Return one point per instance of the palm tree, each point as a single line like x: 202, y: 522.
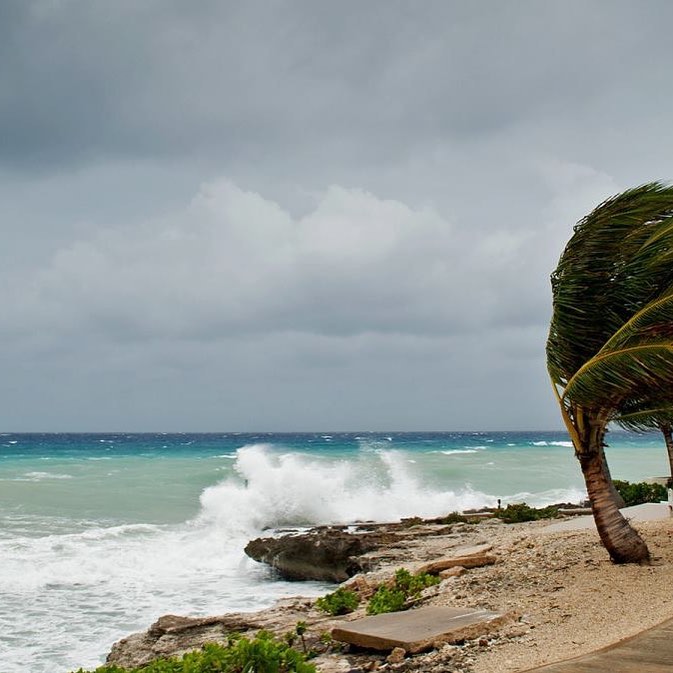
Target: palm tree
x: 610, y: 341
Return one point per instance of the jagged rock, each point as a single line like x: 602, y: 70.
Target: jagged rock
x: 360, y: 585
x: 326, y: 555
x: 397, y: 655
x: 172, y: 636
x: 472, y: 561
x: 333, y: 554
x: 456, y: 571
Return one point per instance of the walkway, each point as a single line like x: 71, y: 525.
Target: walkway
x: 648, y: 652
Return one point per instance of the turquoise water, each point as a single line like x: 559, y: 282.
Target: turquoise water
x: 101, y: 534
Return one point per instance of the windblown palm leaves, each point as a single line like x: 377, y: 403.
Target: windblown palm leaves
x: 610, y: 345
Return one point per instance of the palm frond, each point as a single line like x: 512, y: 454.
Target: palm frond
x: 609, y: 380
x: 646, y: 419
x: 607, y: 273
x: 652, y: 323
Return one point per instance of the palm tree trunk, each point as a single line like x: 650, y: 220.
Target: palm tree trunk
x: 668, y: 438
x: 623, y: 543
x: 616, y: 495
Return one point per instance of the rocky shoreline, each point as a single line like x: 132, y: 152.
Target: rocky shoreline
x: 560, y: 594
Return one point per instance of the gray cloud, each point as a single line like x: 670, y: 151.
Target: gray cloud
x: 305, y: 215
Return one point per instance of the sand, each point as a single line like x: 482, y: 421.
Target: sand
x: 572, y: 598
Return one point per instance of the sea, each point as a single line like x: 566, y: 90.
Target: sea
x: 100, y: 534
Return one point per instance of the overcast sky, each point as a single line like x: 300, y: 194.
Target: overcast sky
x: 305, y: 215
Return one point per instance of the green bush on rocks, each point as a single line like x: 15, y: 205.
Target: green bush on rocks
x: 516, y: 513
x: 406, y: 586
x: 261, y: 654
x: 340, y: 602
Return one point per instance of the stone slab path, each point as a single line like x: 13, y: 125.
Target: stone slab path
x: 418, y: 630
x: 648, y: 652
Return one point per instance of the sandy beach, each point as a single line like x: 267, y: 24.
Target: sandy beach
x: 562, y: 593
x: 572, y: 598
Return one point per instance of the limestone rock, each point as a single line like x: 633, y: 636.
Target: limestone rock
x: 456, y: 571
x: 359, y: 585
x: 397, y: 655
x: 472, y: 561
x: 325, y: 555
x: 172, y: 636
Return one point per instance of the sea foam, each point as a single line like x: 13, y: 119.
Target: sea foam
x: 291, y: 489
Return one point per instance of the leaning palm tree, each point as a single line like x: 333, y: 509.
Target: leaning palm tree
x: 610, y: 343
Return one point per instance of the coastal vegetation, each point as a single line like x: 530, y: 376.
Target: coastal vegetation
x: 406, y: 586
x: 389, y: 597
x: 519, y: 512
x: 610, y: 344
x: 339, y: 602
x: 637, y: 494
x: 261, y: 654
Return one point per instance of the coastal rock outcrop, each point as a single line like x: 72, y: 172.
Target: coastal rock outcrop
x: 172, y: 635
x: 324, y: 554
x: 333, y: 554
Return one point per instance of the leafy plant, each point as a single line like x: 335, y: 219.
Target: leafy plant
x: 386, y: 600
x: 518, y: 512
x: 340, y: 602
x: 638, y: 493
x: 300, y: 630
x: 261, y: 654
x: 412, y: 585
x: 406, y: 585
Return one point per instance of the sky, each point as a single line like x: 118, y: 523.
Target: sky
x: 306, y: 215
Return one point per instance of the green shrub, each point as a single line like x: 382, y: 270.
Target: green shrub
x: 340, y: 602
x: 638, y: 493
x: 516, y: 513
x: 412, y: 585
x: 386, y: 600
x: 406, y: 586
x: 262, y: 654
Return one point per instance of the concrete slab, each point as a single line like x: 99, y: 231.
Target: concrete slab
x: 420, y: 629
x: 649, y: 511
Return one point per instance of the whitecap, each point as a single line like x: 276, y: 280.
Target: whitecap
x: 543, y: 443
x: 450, y: 452
x: 39, y: 476
x: 548, y: 497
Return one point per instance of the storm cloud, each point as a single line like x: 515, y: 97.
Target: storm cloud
x: 297, y: 215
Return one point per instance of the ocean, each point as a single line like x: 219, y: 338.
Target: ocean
x: 100, y: 534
